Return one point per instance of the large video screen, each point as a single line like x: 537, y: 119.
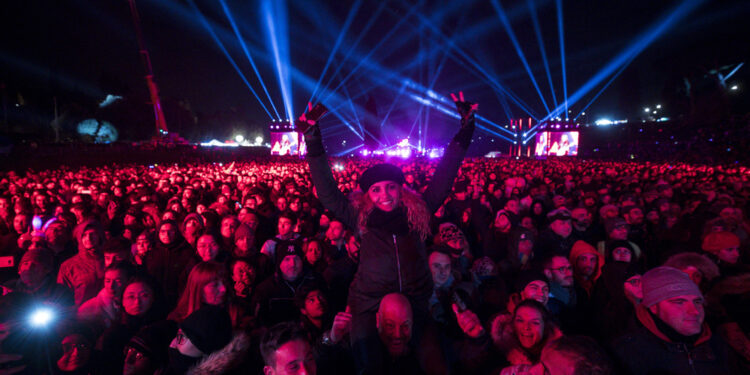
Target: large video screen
x: 556, y: 144
x: 287, y: 143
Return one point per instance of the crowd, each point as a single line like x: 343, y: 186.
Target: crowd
x: 465, y: 266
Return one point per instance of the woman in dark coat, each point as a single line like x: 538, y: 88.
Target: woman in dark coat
x: 393, y: 222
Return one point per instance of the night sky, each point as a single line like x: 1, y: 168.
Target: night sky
x: 79, y: 51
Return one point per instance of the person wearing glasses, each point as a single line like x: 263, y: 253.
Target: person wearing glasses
x: 564, y: 294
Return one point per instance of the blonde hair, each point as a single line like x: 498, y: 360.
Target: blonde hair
x: 417, y: 213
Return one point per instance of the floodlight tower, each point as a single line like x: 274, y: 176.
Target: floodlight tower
x: 161, y: 123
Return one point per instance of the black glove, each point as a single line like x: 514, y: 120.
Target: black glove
x: 466, y: 110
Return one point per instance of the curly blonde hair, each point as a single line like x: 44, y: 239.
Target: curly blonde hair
x: 417, y: 213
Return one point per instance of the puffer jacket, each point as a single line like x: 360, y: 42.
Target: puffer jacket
x: 230, y: 359
x: 388, y: 262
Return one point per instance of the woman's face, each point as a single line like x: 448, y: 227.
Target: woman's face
x: 729, y: 255
x: 137, y: 299
x: 142, y: 244
x: 529, y: 326
x: 622, y: 254
x: 207, y: 248
x: 213, y: 292
x: 167, y: 233
x: 385, y: 195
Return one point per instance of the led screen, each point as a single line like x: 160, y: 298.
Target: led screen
x: 556, y: 144
x: 287, y: 143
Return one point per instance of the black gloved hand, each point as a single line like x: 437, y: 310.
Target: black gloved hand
x: 466, y: 110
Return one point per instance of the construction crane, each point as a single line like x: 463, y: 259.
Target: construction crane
x: 161, y: 123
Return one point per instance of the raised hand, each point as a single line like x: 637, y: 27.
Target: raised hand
x: 465, y: 109
x: 311, y: 117
x: 469, y: 322
x: 342, y: 324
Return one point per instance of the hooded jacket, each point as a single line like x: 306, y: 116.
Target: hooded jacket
x: 83, y: 273
x: 648, y: 350
x: 580, y: 248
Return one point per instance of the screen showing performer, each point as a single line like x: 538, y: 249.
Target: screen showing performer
x: 556, y: 144
x: 287, y: 143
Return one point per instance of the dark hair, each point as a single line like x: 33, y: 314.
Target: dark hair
x: 589, y: 358
x: 548, y: 320
x: 279, y: 335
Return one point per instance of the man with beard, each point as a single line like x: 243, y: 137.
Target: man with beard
x: 563, y: 294
x: 582, y: 230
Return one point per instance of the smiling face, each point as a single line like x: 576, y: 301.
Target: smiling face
x: 529, y: 326
x: 386, y: 195
x: 536, y: 290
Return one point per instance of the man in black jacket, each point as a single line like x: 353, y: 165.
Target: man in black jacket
x: 673, y: 338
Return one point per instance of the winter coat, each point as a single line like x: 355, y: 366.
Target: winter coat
x: 388, y: 262
x: 170, y: 266
x: 646, y: 350
x: 275, y: 297
x: 84, y: 275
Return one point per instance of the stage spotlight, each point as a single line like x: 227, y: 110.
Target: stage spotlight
x: 735, y: 88
x: 658, y: 106
x: 647, y: 110
x: 259, y: 140
x: 239, y: 138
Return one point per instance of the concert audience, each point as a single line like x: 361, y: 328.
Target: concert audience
x: 503, y: 270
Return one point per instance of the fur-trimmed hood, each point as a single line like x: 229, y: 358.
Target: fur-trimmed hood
x: 226, y: 359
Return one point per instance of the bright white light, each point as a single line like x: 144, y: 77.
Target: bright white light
x: 41, y: 317
x: 259, y: 140
x: 404, y: 142
x: 647, y: 110
x: 735, y: 87
x: 658, y: 106
x: 654, y: 112
x: 583, y: 113
x: 239, y: 138
x: 603, y: 122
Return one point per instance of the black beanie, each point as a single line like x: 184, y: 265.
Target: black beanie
x: 380, y: 172
x: 208, y: 328
x: 526, y: 277
x: 284, y: 248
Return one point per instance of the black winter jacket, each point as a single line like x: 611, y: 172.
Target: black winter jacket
x: 388, y: 262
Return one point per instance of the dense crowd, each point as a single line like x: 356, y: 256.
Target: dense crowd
x: 466, y: 266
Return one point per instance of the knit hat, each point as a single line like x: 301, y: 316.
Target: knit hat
x: 41, y: 256
x: 153, y: 340
x: 662, y: 283
x: 208, y: 328
x: 286, y: 248
x: 614, y: 223
x: 380, y: 172
x: 716, y: 241
x: 526, y: 277
x: 448, y: 232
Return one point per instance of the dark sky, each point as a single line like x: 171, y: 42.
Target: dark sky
x: 88, y: 49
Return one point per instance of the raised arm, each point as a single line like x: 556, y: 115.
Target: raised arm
x: 320, y: 171
x: 447, y: 169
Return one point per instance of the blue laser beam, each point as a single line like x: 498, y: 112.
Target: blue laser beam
x: 562, y: 51
x: 519, y: 51
x: 339, y: 39
x: 236, y: 30
x: 223, y: 49
x: 542, y: 50
x: 278, y: 39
